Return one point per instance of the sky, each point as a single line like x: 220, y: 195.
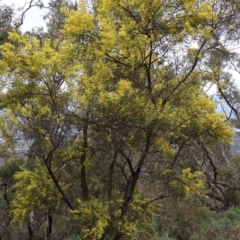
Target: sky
x: 33, y: 16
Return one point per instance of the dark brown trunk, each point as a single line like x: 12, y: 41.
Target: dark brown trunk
x: 111, y: 174
x: 30, y: 226
x: 84, y: 186
x: 134, y: 178
x: 119, y: 236
x: 48, y: 230
x: 133, y: 183
x: 59, y: 188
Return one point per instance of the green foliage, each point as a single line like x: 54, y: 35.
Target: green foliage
x: 10, y: 168
x: 180, y: 220
x: 75, y: 237
x: 186, y: 221
x: 219, y: 226
x: 164, y: 237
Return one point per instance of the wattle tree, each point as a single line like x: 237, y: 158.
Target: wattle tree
x: 108, y: 109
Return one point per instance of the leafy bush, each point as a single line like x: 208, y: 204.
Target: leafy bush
x: 220, y: 226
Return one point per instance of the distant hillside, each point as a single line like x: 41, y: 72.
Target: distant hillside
x: 236, y: 142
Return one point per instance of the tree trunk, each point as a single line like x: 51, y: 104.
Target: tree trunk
x: 30, y: 225
x: 84, y: 186
x: 111, y: 174
x: 48, y: 230
x: 131, y: 186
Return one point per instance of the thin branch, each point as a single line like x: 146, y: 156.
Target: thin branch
x: 156, y: 199
x: 128, y: 161
x: 31, y: 5
x: 228, y: 102
x: 187, y: 75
